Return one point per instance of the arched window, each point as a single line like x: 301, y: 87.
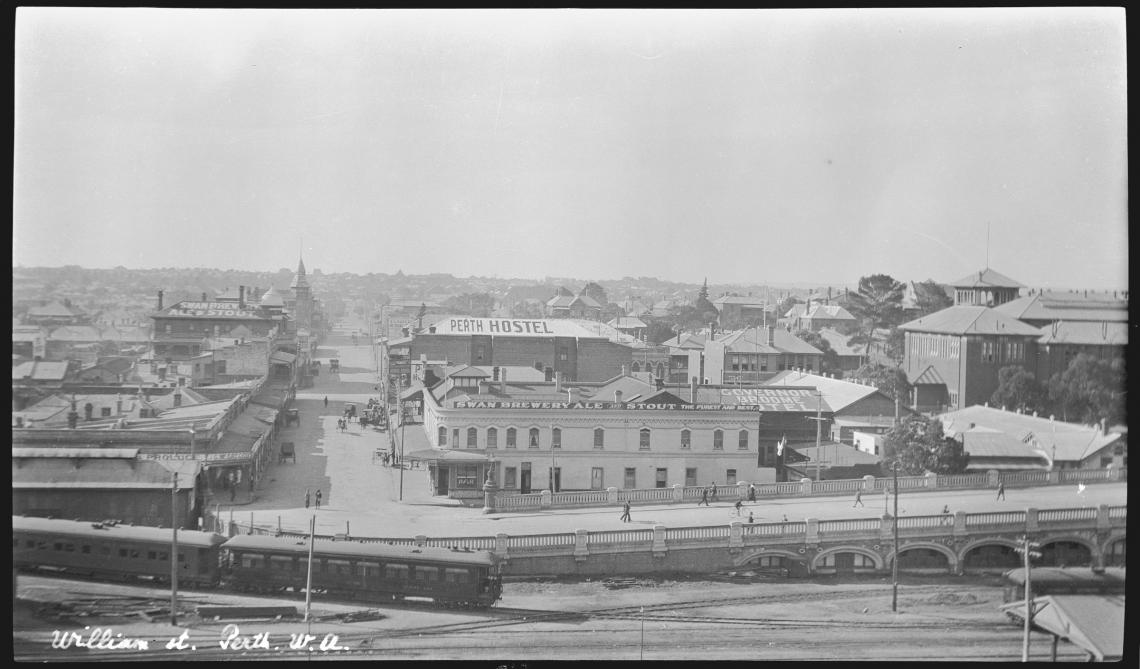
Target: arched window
x: 472, y: 438
x: 599, y: 437
x: 743, y: 444
x: 686, y: 439
x: 660, y: 371
x: 492, y: 438
x: 643, y: 442
x: 533, y: 443
x: 556, y: 437
x: 442, y: 436
x: 636, y: 367
x: 511, y: 432
x: 718, y: 440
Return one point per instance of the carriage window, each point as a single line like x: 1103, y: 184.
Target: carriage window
x: 44, y: 546
x: 280, y: 563
x: 343, y: 567
x: 84, y: 549
x: 249, y: 561
x: 31, y: 543
x: 59, y: 545
x: 456, y: 576
x: 135, y: 553
x: 151, y: 555
x: 122, y: 552
x: 69, y: 548
x: 396, y: 571
x: 105, y: 550
x: 163, y: 555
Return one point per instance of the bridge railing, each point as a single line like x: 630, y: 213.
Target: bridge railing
x: 854, y: 525
x: 620, y: 537
x: 539, y: 541
x: 995, y: 519
x: 506, y: 501
x: 696, y: 533
x: 1065, y: 516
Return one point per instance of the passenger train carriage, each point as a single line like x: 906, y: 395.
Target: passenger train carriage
x: 366, y: 571
x: 344, y: 569
x: 109, y: 550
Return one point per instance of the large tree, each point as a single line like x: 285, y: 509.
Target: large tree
x: 1091, y: 389
x: 930, y: 297
x: 876, y: 304
x: 918, y: 444
x: 704, y: 306
x: 830, y: 363
x: 891, y: 381
x: 1018, y: 389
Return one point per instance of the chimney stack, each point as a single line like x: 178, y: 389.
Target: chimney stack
x: 617, y: 396
x: 160, y: 300
x: 558, y: 382
x: 693, y: 383
x: 204, y: 297
x: 503, y: 381
x: 771, y: 335
x: 241, y: 297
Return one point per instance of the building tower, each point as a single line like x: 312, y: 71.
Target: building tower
x: 304, y: 309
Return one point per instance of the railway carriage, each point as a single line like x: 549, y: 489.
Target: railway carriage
x: 110, y: 550
x: 365, y: 571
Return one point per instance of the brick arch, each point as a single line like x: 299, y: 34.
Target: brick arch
x: 988, y: 541
x: 1096, y: 555
x: 790, y: 554
x: 1110, y: 540
x: 951, y: 556
x: 880, y: 564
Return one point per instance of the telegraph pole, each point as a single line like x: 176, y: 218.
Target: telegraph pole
x: 309, y: 575
x: 400, y: 404
x: 818, y: 430
x: 174, y: 551
x: 895, y: 561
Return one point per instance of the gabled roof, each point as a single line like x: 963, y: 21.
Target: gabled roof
x: 54, y: 310
x: 686, y: 341
x: 631, y: 388
x: 964, y: 319
x: 1095, y: 623
x: 986, y: 278
x: 40, y: 371
x: 1062, y: 306
x: 1085, y: 333
x: 829, y: 311
x: 983, y: 442
x: 755, y: 340
x: 627, y: 323
x: 743, y: 300
x: 1074, y: 442
x: 838, y: 393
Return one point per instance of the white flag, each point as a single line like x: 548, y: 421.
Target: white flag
x: 780, y: 446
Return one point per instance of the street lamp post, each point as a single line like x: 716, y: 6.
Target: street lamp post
x: 895, y: 560
x: 400, y: 405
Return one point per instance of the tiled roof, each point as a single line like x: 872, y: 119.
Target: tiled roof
x: 830, y: 311
x: 1085, y: 333
x: 963, y: 319
x: 744, y: 300
x: 986, y: 443
x: 836, y: 392
x: 986, y: 278
x: 1074, y: 442
x: 686, y: 340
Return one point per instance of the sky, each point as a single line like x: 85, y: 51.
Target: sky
x: 745, y: 146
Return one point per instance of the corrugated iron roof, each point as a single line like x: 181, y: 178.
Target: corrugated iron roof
x: 1103, y: 333
x: 1093, y: 622
x: 986, y: 278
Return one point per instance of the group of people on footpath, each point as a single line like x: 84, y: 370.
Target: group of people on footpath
x: 317, y: 497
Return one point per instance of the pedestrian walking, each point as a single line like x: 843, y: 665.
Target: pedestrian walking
x: 712, y: 489
x: 1001, y: 491
x: 945, y: 508
x: 858, y: 499
x: 326, y: 401
x: 704, y: 497
x: 306, y: 498
x: 318, y: 498
x: 625, y: 512
x: 749, y: 517
x: 739, y: 504
x: 751, y: 493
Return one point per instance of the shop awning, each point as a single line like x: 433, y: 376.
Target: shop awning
x: 1093, y: 622
x: 445, y: 455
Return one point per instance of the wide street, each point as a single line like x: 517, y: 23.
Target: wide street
x: 362, y: 496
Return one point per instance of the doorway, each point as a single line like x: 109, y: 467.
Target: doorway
x: 556, y: 479
x: 597, y: 479
x: 441, y: 475
x: 524, y: 478
x: 662, y: 477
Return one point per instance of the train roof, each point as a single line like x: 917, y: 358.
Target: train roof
x: 355, y: 549
x: 1076, y: 576
x: 94, y: 530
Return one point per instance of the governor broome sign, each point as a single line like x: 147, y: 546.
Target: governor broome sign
x: 775, y: 399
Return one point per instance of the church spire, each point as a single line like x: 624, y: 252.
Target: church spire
x: 299, y: 280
